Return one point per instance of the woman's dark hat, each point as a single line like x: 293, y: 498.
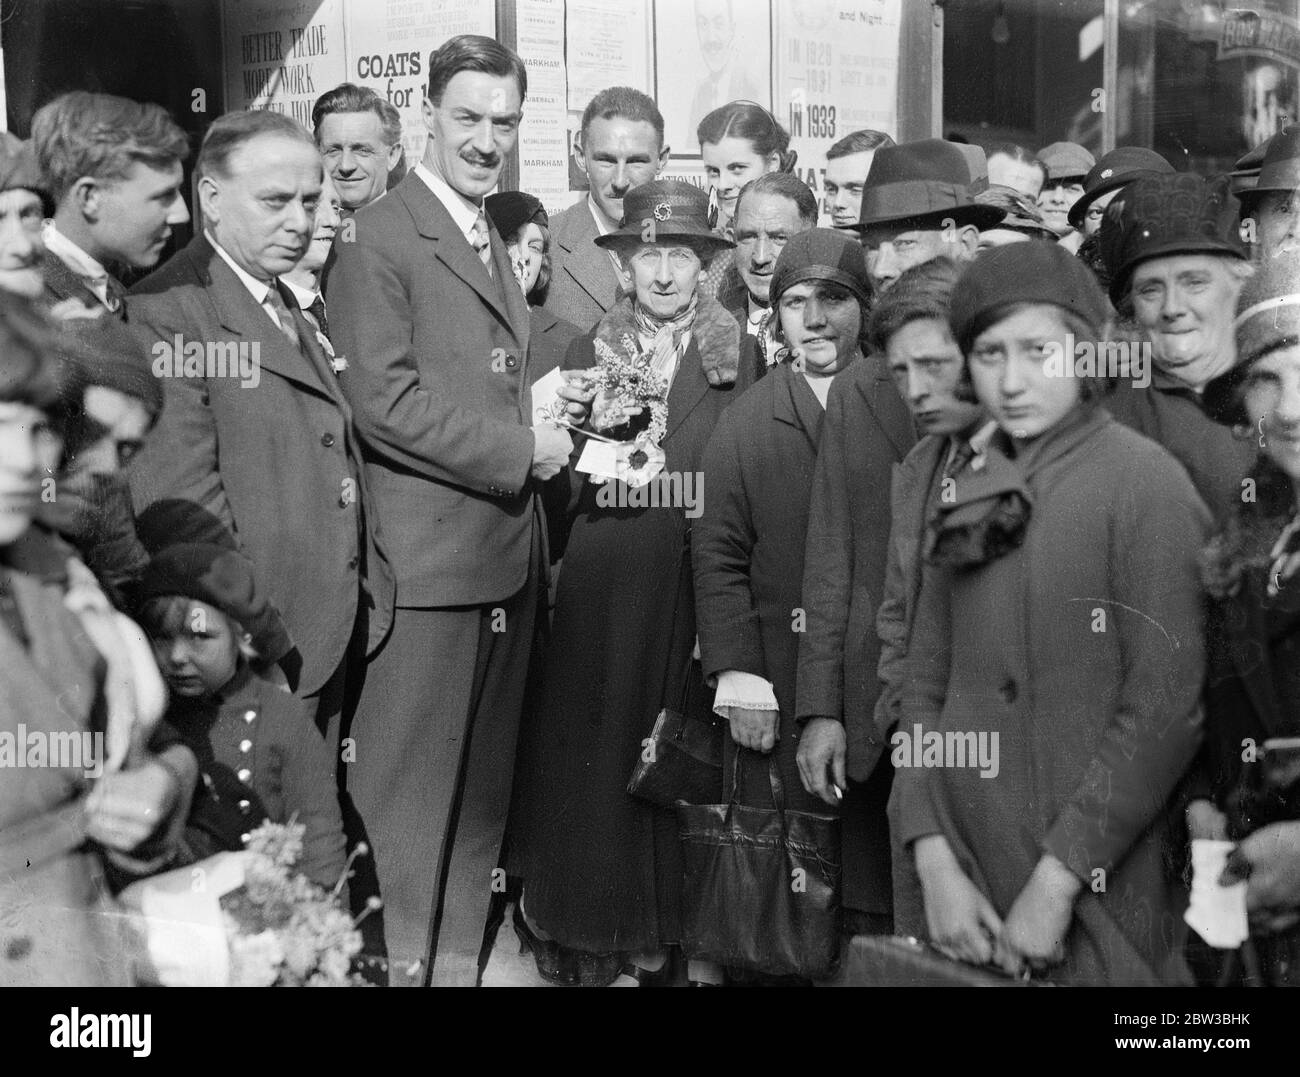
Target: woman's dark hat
x: 1122, y: 165
x: 1163, y: 215
x: 925, y: 182
x: 1035, y: 272
x: 511, y: 210
x: 222, y: 578
x: 1279, y: 165
x: 1268, y: 316
x: 665, y: 210
x: 822, y: 254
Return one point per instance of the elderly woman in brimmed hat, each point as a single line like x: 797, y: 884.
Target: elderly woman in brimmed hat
x: 749, y: 545
x: 1252, y: 571
x: 601, y: 869
x: 1176, y: 260
x: 1057, y: 637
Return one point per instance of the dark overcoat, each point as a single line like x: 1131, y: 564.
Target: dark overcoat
x: 1082, y: 650
x: 749, y: 556
x: 602, y: 869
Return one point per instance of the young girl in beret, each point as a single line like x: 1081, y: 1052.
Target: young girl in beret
x: 1058, y: 630
x: 217, y: 640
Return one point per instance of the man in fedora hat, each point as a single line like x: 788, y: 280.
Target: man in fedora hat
x: 1173, y: 250
x: 917, y: 204
x: 1272, y: 202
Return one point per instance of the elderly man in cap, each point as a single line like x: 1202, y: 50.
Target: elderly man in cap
x: 1173, y: 252
x: 1067, y: 164
x: 23, y: 205
x: 1273, y: 203
x: 917, y: 204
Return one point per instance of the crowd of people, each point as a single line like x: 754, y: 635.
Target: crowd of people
x: 973, y: 539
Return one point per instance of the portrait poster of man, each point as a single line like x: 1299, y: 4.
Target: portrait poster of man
x: 709, y: 52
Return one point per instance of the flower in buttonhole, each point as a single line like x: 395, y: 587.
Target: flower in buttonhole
x: 255, y: 959
x: 640, y: 461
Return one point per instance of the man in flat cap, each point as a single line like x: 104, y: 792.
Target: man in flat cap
x: 1067, y: 164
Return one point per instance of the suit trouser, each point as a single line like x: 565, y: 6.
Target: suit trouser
x: 435, y: 732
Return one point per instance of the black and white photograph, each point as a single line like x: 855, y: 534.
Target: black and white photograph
x: 651, y: 493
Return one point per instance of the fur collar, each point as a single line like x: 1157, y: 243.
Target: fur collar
x: 715, y: 334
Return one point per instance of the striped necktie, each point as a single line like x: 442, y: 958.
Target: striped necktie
x: 480, y: 241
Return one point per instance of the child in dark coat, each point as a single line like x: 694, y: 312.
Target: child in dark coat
x: 217, y: 640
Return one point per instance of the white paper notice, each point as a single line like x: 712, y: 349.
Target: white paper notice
x: 1216, y: 913
x: 545, y: 390
x: 599, y: 459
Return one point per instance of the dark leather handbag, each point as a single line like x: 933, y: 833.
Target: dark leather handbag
x: 762, y: 885
x: 681, y: 759
x: 896, y: 961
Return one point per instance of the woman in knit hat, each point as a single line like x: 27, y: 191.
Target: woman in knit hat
x: 1057, y: 637
x: 748, y: 546
x: 1252, y: 571
x: 218, y: 640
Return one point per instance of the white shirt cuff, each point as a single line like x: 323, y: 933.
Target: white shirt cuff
x: 744, y: 691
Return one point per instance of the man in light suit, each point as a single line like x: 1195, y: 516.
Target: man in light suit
x: 255, y: 436
x: 424, y: 307
x: 620, y: 146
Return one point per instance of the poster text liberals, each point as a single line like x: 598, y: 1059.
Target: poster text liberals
x: 181, y: 358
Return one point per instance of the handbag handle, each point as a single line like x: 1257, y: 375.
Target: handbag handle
x: 774, y: 781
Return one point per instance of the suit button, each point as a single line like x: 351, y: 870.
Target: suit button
x: 245, y: 806
x: 327, y: 439
x: 353, y: 562
x: 244, y: 774
x: 1008, y: 691
x: 511, y: 362
x: 245, y: 746
x: 250, y: 716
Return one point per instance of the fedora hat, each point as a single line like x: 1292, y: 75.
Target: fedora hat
x: 1279, y: 168
x: 665, y: 209
x: 1122, y: 165
x: 926, y: 182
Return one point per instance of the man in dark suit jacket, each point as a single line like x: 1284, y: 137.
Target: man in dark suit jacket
x: 435, y: 330
x: 255, y: 431
x: 620, y: 146
x: 116, y: 199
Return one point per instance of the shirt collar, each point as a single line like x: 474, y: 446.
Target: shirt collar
x: 71, y: 255
x: 462, y: 210
x: 258, y: 289
x: 305, y: 296
x: 601, y: 227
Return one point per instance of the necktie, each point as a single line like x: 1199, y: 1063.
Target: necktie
x: 478, y: 237
x: 276, y: 302
x: 317, y: 312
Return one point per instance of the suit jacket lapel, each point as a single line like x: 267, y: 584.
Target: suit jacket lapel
x: 241, y: 314
x: 587, y: 264
x: 312, y: 351
x: 452, y: 249
x: 1249, y: 649
x: 516, y: 304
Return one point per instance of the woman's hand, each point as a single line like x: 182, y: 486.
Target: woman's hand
x: 753, y: 729
x: 1269, y: 860
x: 1039, y: 919
x: 962, y: 922
x: 607, y: 413
x: 576, y: 392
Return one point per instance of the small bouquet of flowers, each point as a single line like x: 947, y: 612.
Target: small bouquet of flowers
x: 633, y: 413
x: 285, y: 931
